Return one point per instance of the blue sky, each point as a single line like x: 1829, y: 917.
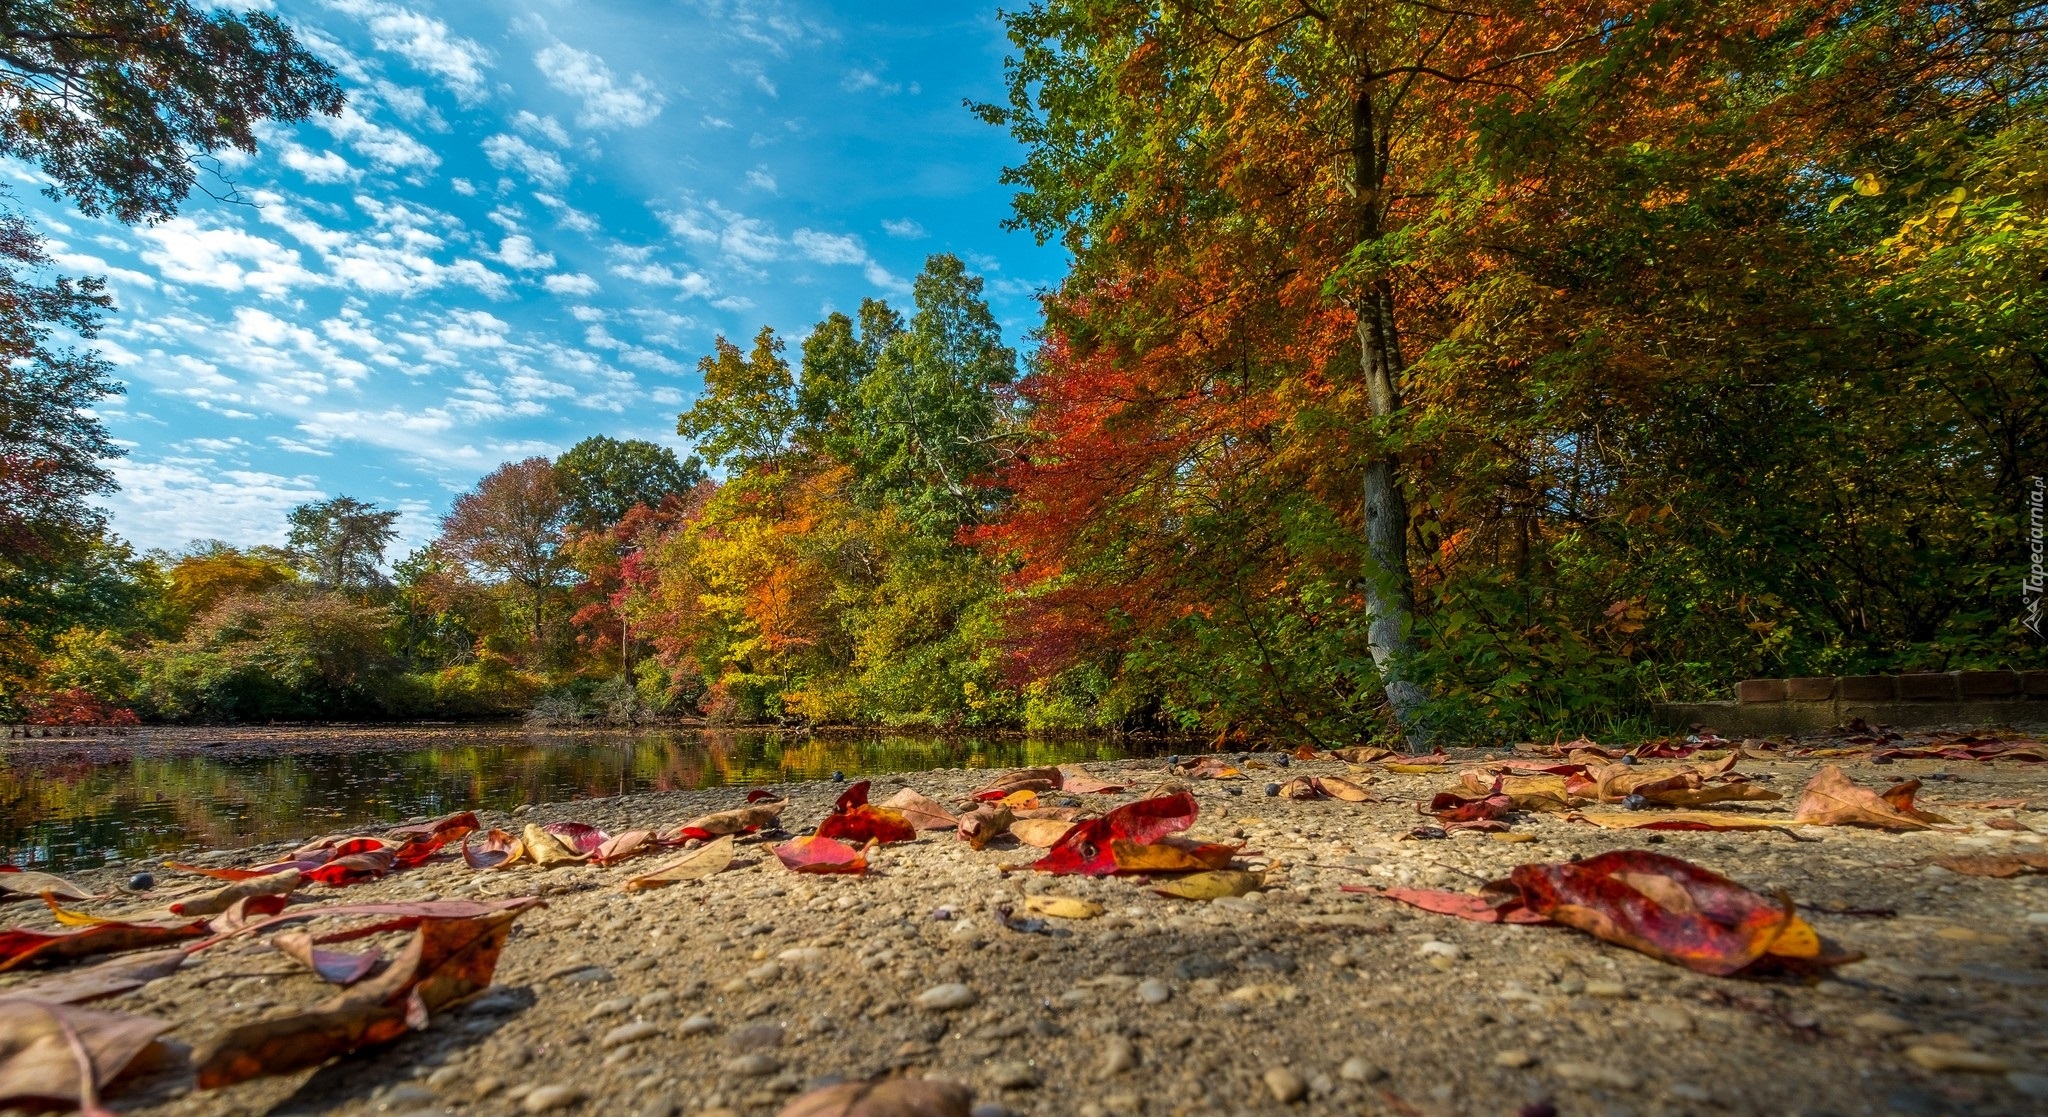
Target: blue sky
x: 529, y: 224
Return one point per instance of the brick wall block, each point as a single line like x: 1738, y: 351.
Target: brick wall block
x: 1760, y: 690
x: 1810, y: 689
x: 1868, y: 688
x: 1987, y: 684
x: 2034, y: 684
x: 1927, y: 686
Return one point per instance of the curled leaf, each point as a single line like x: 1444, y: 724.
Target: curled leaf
x: 1078, y: 781
x: 334, y: 967
x: 1831, y: 799
x: 1170, y: 855
x: 1062, y: 907
x: 546, y: 848
x: 1477, y: 907
x: 632, y: 843
x: 712, y: 857
x: 814, y: 854
x: 1676, y: 820
x: 18, y: 947
x: 498, y: 850
x: 1024, y: 779
x: 60, y: 1054
x: 854, y: 819
x: 1086, y: 848
x: 1212, y: 885
x: 221, y: 899
x: 19, y: 885
x: 923, y: 813
x: 1041, y: 832
x: 985, y: 824
x: 742, y: 820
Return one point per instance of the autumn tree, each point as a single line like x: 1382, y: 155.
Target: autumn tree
x: 509, y: 531
x: 340, y: 542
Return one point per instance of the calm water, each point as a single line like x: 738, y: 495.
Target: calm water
x: 64, y: 811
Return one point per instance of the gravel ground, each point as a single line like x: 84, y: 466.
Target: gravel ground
x: 728, y: 996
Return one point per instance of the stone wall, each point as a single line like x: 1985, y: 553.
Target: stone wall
x: 1935, y: 698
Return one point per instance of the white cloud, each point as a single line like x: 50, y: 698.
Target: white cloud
x: 395, y: 251
x: 463, y: 187
x: 546, y: 126
x: 506, y: 151
x: 862, y: 80
x: 389, y: 148
x: 661, y: 275
x: 425, y: 42
x: 760, y: 179
x: 905, y: 229
x: 571, y: 286
x: 324, y: 166
x: 830, y: 248
x: 519, y: 252
x: 607, y: 101
x: 222, y: 256
x: 170, y: 503
x: 566, y: 215
x: 740, y: 238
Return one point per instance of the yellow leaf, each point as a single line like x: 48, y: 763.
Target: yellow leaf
x: 697, y: 864
x: 1062, y: 907
x: 1797, y: 940
x: 1041, y: 832
x: 1837, y: 203
x: 546, y: 849
x: 1020, y: 800
x: 1212, y: 885
x: 1868, y: 185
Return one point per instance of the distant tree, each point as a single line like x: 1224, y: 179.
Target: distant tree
x: 340, y: 543
x: 509, y: 529
x: 603, y: 478
x: 747, y: 412
x: 211, y: 571
x: 113, y: 99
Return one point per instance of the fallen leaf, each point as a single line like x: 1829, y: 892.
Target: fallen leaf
x: 65, y: 1055
x: 1078, y: 781
x: 350, y: 868
x: 20, y: 946
x: 2010, y: 865
x: 544, y: 847
x: 814, y: 854
x: 1676, y: 820
x: 887, y: 1097
x: 923, y: 813
x: 1337, y: 787
x: 712, y: 857
x: 221, y: 899
x: 1477, y: 907
x: 331, y: 966
x: 499, y: 850
x: 1407, y: 769
x: 1452, y: 806
x: 1364, y: 754
x: 1663, y: 907
x: 741, y: 820
x: 451, y: 828
x: 445, y: 961
x: 1170, y: 855
x: 409, y: 913
x: 1830, y: 799
x: 985, y: 824
x: 1086, y: 848
x: 1062, y: 907
x: 632, y: 843
x: 853, y: 819
x: 1212, y: 885
x: 1041, y: 832
x: 1023, y: 779
x: 20, y: 885
x: 107, y: 979
x: 579, y: 838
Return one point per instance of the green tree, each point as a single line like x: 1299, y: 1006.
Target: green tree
x: 115, y: 98
x: 745, y: 416
x: 602, y: 478
x: 340, y: 542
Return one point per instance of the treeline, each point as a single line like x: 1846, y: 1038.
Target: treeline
x: 1451, y: 372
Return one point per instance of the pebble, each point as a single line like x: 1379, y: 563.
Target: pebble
x: 1608, y: 989
x: 405, y: 1096
x: 1880, y: 1023
x: 443, y: 1077
x: 756, y: 1065
x: 555, y: 1095
x: 1356, y: 1069
x: 655, y: 1000
x: 947, y: 998
x: 764, y: 973
x: 486, y: 1086
x: 611, y: 1007
x: 141, y: 882
x: 1013, y: 1076
x: 755, y: 1037
x: 1669, y: 1017
x: 628, y: 1033
x: 1267, y: 960
x: 1514, y: 1058
x: 2032, y: 1085
x: 1118, y: 1056
x: 1286, y: 1086
x: 698, y: 1025
x: 1440, y: 949
x: 1929, y: 1057
x: 1154, y: 991
x: 1590, y: 1074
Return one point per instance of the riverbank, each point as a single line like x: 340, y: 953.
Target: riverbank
x: 731, y: 994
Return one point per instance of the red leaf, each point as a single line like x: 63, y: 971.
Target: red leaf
x: 580, y: 837
x: 1464, y: 905
x: 19, y: 946
x: 855, y: 795
x: 1080, y: 782
x: 1086, y: 848
x: 821, y: 855
x: 1662, y: 906
x: 866, y: 823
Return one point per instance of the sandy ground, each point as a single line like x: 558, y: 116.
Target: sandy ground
x: 731, y: 995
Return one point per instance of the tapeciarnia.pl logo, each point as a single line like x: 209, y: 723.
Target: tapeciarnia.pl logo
x: 2037, y: 546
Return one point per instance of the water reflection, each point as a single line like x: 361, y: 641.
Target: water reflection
x: 77, y: 813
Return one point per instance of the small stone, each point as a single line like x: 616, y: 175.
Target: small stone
x: 1118, y: 1056
x: 764, y: 973
x: 1267, y: 960
x: 697, y: 1025
x: 1154, y: 991
x: 1286, y: 1086
x: 1013, y: 1076
x: 1439, y: 949
x: 1880, y: 1024
x: 1590, y: 1074
x: 611, y: 1007
x: 443, y: 1077
x: 1669, y: 1017
x: 1686, y: 1091
x: 1513, y: 1058
x: 755, y: 1037
x: 947, y: 998
x: 628, y: 1033
x: 2032, y: 1085
x: 655, y: 1000
x: 756, y: 1065
x: 1196, y: 966
x: 1342, y: 960
x: 141, y: 882
x: 1356, y: 1069
x: 405, y: 1096
x: 838, y: 776
x: 1929, y: 1057
x: 486, y: 1086
x: 1611, y: 990
x: 1272, y: 791
x: 555, y: 1095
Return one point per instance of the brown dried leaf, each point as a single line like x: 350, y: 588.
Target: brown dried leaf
x: 109, y: 978
x: 923, y: 813
x: 1830, y: 799
x: 985, y: 824
x: 740, y: 820
x: 63, y: 1054
x: 1987, y: 865
x: 697, y: 864
x: 331, y: 966
x: 223, y: 898
x: 20, y: 886
x: 1041, y: 832
x: 888, y: 1097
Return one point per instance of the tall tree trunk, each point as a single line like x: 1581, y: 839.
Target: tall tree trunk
x: 1389, y: 594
